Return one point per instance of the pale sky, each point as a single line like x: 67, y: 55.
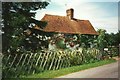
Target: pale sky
x: 102, y: 15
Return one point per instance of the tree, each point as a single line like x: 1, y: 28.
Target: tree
x: 101, y: 42
x: 18, y: 17
x: 112, y: 39
x: 117, y: 38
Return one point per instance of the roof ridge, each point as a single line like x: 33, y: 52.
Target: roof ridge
x: 65, y: 17
x: 54, y: 15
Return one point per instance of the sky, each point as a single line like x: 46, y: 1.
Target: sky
x: 102, y: 15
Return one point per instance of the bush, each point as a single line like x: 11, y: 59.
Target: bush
x: 114, y: 51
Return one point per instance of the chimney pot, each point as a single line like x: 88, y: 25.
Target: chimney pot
x: 70, y: 13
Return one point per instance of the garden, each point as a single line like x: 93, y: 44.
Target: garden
x: 27, y: 50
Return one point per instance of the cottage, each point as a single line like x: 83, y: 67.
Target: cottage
x: 67, y: 25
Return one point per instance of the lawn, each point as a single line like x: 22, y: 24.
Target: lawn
x: 64, y: 71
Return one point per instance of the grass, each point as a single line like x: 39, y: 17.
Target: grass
x: 64, y: 71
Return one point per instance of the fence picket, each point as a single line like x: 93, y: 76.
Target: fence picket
x: 52, y: 61
x: 38, y: 59
x: 42, y: 60
x: 7, y: 59
x: 13, y: 60
x: 58, y: 62
x: 30, y: 58
x: 46, y: 57
x: 19, y: 60
x: 49, y: 61
x: 54, y: 66
x: 24, y: 60
x: 31, y: 63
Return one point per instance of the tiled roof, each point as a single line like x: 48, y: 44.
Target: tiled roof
x: 63, y: 24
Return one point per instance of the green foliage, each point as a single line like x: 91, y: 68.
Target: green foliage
x: 87, y: 41
x: 60, y: 44
x: 112, y: 39
x: 114, y: 51
x: 101, y: 42
x: 101, y: 38
x: 17, y: 18
x: 90, y: 55
x: 76, y: 58
x: 117, y: 38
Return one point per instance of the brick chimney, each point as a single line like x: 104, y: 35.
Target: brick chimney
x: 70, y: 13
